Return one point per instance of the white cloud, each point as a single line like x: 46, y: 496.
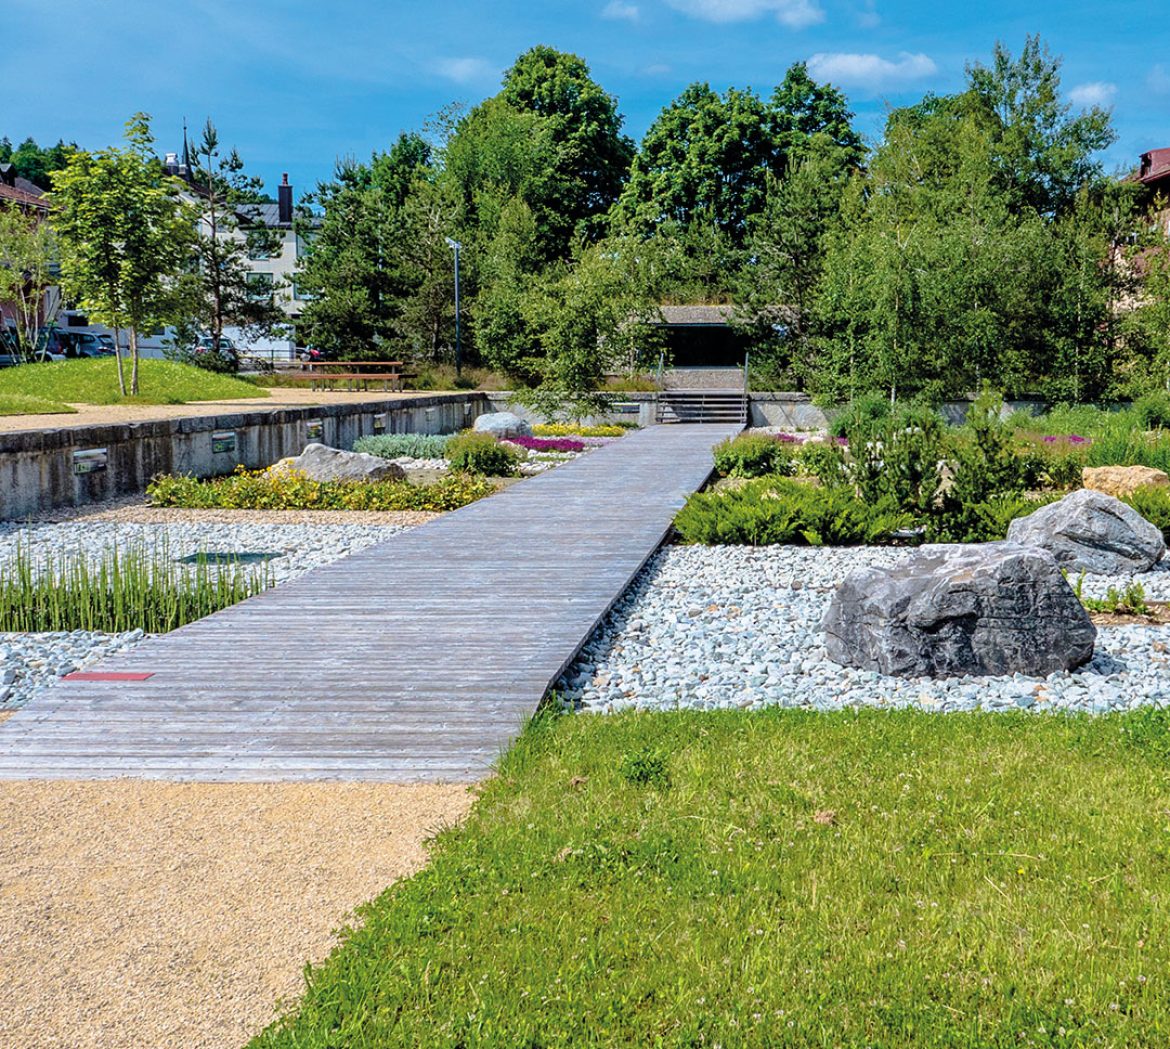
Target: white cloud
x: 465, y: 70
x: 1098, y: 93
x: 1158, y: 80
x: 658, y: 69
x: 794, y: 13
x: 621, y: 11
x: 871, y: 70
x: 867, y: 17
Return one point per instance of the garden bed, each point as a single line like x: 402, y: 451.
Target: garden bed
x: 724, y: 628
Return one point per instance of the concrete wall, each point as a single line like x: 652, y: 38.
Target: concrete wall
x: 42, y: 469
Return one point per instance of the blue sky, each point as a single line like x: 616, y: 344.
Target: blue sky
x: 294, y: 84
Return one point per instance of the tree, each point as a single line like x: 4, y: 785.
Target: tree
x: 28, y: 256
x: 705, y: 158
x: 32, y: 162
x: 591, y: 156
x: 1045, y: 155
x: 219, y: 291
x: 356, y: 268
x: 586, y: 319
x: 776, y: 300
x: 803, y: 109
x: 125, y: 237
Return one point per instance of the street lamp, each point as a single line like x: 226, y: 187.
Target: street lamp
x: 458, y: 346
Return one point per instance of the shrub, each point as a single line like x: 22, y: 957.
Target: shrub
x: 404, y: 445
x: 755, y: 455
x: 861, y: 415
x: 776, y: 510
x: 481, y: 453
x: 139, y: 586
x: 1152, y: 411
x: 1154, y: 505
x: 292, y: 490
x: 899, y: 461
x: 979, y: 522
x: 575, y: 430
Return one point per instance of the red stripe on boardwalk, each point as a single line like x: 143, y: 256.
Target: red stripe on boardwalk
x: 97, y: 676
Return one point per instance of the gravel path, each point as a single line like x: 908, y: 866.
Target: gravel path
x: 31, y: 662
x: 173, y: 916
x: 736, y: 627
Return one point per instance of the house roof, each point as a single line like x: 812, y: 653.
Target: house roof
x: 686, y: 316
x: 22, y: 196
x: 268, y: 215
x: 1155, y: 166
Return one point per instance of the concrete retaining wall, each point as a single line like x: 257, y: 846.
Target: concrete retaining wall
x: 70, y: 466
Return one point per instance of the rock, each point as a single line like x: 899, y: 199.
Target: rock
x: 503, y: 424
x: 1089, y: 531
x: 946, y: 611
x: 319, y: 462
x: 1120, y: 481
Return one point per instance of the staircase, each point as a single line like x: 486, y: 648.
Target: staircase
x: 703, y: 395
x: 703, y: 406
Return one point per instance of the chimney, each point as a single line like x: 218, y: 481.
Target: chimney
x: 284, y: 200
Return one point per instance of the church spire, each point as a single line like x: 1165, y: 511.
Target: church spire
x: 186, y: 149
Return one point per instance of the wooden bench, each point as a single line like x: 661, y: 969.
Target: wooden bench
x: 322, y: 373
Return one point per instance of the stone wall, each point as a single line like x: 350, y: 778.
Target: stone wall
x: 72, y: 465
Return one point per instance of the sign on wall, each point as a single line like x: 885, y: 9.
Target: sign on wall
x: 89, y: 460
x: 223, y: 441
x: 314, y: 430
x: 380, y: 423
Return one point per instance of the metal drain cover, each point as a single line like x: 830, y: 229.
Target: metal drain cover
x: 229, y: 557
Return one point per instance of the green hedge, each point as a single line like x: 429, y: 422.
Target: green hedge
x: 481, y: 453
x: 777, y: 510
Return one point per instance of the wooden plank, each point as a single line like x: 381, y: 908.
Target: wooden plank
x: 416, y: 659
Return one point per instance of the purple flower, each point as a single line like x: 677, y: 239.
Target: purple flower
x: 1075, y: 439
x: 548, y: 444
x: 788, y: 438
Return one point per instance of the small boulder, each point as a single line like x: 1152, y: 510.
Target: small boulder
x: 503, y: 424
x: 319, y: 462
x: 1089, y: 531
x: 1120, y: 481
x: 947, y: 611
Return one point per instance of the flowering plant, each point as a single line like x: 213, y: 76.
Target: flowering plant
x: 548, y: 444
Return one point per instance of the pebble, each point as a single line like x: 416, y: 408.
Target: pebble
x: 720, y: 627
x: 29, y: 662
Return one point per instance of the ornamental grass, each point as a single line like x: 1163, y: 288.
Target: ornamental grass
x: 139, y: 586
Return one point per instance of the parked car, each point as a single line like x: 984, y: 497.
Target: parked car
x: 205, y: 347
x: 91, y: 344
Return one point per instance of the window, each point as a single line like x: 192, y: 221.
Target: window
x: 300, y: 294
x: 260, y: 285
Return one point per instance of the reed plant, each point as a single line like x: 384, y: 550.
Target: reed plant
x: 140, y: 586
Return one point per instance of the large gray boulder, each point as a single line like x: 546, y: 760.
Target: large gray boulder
x: 1092, y: 532
x: 319, y: 462
x: 946, y: 611
x: 503, y: 424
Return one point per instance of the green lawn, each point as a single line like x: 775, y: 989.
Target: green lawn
x: 22, y: 404
x: 794, y: 879
x: 96, y: 382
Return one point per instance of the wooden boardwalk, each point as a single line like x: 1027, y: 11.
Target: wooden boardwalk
x: 416, y: 659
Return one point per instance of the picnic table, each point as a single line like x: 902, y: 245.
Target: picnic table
x: 320, y: 374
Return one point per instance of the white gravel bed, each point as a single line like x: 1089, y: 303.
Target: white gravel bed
x: 30, y: 662
x: 739, y: 627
